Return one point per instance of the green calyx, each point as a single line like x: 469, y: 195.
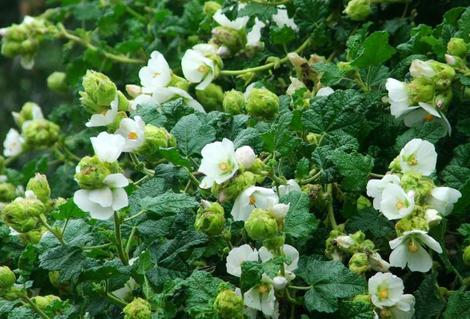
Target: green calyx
x: 416, y: 220
x: 138, y: 309
x: 358, y: 10
x: 421, y: 185
x: 91, y: 172
x: 261, y: 225
x: 359, y: 263
x: 233, y: 187
x: 210, y: 219
x: 99, y: 91
x: 179, y: 82
x: 211, y: 7
x: 211, y: 97
x: 7, y: 192
x: 262, y: 103
x: 43, y: 302
x: 234, y: 40
x: 28, y: 112
x: 466, y: 255
x: 155, y: 138
x: 40, y: 132
x: 234, y: 102
x: 40, y: 187
x: 22, y: 214
x: 7, y: 278
x: 56, y: 82
x: 457, y: 47
x: 420, y: 90
x: 229, y: 305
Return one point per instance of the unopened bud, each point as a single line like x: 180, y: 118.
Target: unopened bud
x: 155, y: 138
x: 245, y: 156
x: 210, y: 219
x: 57, y: 81
x: 7, y: 277
x: 377, y: 263
x: 99, y: 92
x: 138, y: 309
x: 211, y: 97
x: 262, y: 103
x: 133, y: 90
x: 279, y: 211
x: 229, y: 305
x: 466, y: 255
x: 359, y: 263
x: 358, y: 10
x: 457, y: 46
x: 179, y: 82
x: 234, y: 102
x: 7, y: 192
x: 261, y: 225
x: 40, y: 187
x: 43, y: 302
x: 41, y: 132
x: 234, y: 40
x: 279, y: 282
x: 211, y: 7
x: 91, y: 172
x: 432, y: 216
x: 22, y: 214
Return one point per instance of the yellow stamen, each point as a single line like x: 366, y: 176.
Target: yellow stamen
x: 132, y: 136
x: 428, y: 118
x: 252, y: 200
x: 400, y: 204
x: 383, y: 293
x: 225, y: 167
x: 155, y: 74
x: 413, y: 246
x: 263, y: 289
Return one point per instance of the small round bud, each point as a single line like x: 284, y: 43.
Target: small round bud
x: 262, y: 103
x: 423, y: 69
x: 7, y: 277
x: 279, y: 282
x: 359, y: 263
x: 234, y: 102
x: 261, y: 225
x: 344, y: 242
x: 133, y: 90
x: 13, y: 293
x: 99, y: 92
x: 155, y: 137
x: 245, y: 156
x: 363, y: 203
x: 57, y: 81
x: 211, y: 97
x: 33, y: 236
x: 29, y: 111
x: 179, y: 82
x: 466, y: 255
x: 234, y: 40
x: 54, y: 278
x: 211, y: 7
x: 279, y: 211
x: 432, y: 216
x: 40, y: 132
x: 7, y: 192
x: 22, y: 213
x: 233, y: 187
x: 43, y: 302
x: 345, y: 66
x: 457, y: 46
x: 377, y: 263
x: 40, y: 187
x: 91, y: 172
x: 138, y: 309
x: 358, y: 10
x: 229, y: 305
x: 210, y: 219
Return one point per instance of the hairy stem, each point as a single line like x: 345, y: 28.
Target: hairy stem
x: 117, y: 236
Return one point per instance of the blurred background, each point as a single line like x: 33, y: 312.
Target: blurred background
x: 18, y: 85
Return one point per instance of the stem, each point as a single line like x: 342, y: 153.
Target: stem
x: 376, y: 175
x: 135, y: 216
x: 41, y: 313
x: 115, y: 299
x: 191, y: 177
x: 117, y: 236
x: 129, y: 240
x: 96, y: 247
x: 266, y: 66
x: 311, y: 178
x: 300, y: 287
x: 54, y: 232
x: 331, y: 212
x: 115, y: 57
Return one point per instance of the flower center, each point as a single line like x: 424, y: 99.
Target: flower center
x: 383, y: 293
x: 252, y: 200
x: 132, y: 136
x: 156, y: 74
x: 203, y: 68
x: 428, y: 118
x: 225, y: 167
x: 411, y: 160
x: 263, y: 289
x: 413, y: 246
x: 401, y: 204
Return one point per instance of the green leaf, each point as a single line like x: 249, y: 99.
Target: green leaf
x: 330, y: 280
x: 300, y: 223
x: 151, y: 188
x: 192, y: 135
x: 168, y: 202
x: 251, y: 274
x: 374, y: 51
x: 356, y: 310
x: 455, y: 176
x: 173, y: 155
x: 429, y: 303
x: 330, y: 73
x: 430, y: 131
x: 69, y: 261
x: 458, y: 305
x: 371, y: 221
x: 68, y: 210
x: 354, y: 168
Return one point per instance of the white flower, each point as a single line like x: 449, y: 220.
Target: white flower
x: 279, y: 282
x: 262, y: 298
x: 36, y: 114
x: 325, y: 91
x: 237, y: 24
x: 398, y: 97
x: 107, y: 117
x: 418, y: 156
x: 13, y: 144
x: 288, y: 251
x: 443, y: 199
x: 101, y: 203
x: 142, y: 100
x: 395, y: 203
x: 279, y: 211
x: 291, y: 186
x: 422, y: 69
x: 377, y: 263
x: 424, y: 112
x: 375, y: 187
x: 295, y: 84
x: 133, y: 132
x: 245, y: 156
x: 281, y: 18
x: 197, y: 68
x: 251, y: 198
x: 344, y: 241
x: 156, y: 73
x: 404, y: 309
x: 165, y: 94
x: 432, y: 216
x: 450, y: 59
x: 107, y: 146
x: 385, y: 289
x: 218, y: 163
x: 408, y: 249
x: 254, y: 36
x: 237, y: 256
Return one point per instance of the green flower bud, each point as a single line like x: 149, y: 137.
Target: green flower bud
x: 363, y: 203
x: 420, y: 90
x: 33, y: 236
x: 117, y: 121
x: 123, y: 102
x: 91, y: 172
x: 274, y: 243
x: 457, y: 46
x: 13, y: 293
x: 444, y: 75
x: 395, y: 165
x: 421, y: 185
x: 211, y: 7
x: 235, y: 185
x: 234, y: 102
x: 41, y: 133
x: 155, y: 137
x: 99, y: 92
x: 56, y: 82
x: 43, y: 302
x: 358, y: 263
x: 466, y: 255
x: 261, y: 225
x: 358, y: 10
x: 345, y: 66
x: 7, y: 277
x: 138, y: 309
x: 416, y: 220
x: 210, y: 219
x: 179, y: 82
x: 29, y: 111
x: 229, y: 305
x: 233, y: 39
x: 10, y: 49
x: 358, y: 236
x: 362, y: 298
x: 22, y: 213
x: 7, y: 192
x: 40, y: 187
x: 262, y: 103
x: 211, y: 97
x: 54, y: 278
